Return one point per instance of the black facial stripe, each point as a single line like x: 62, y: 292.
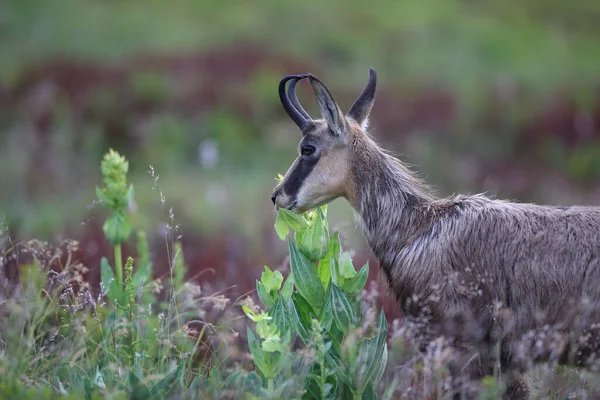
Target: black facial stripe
x: 294, y: 181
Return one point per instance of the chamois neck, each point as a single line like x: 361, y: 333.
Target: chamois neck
x: 389, y: 199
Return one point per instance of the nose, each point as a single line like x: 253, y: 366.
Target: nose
x: 275, y: 194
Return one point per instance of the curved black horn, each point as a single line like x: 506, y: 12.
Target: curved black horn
x: 294, y: 99
x: 362, y: 106
x: 288, y: 105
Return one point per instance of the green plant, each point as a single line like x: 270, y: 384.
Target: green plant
x: 314, y: 337
x: 61, y: 339
x: 320, y: 303
x: 117, y: 196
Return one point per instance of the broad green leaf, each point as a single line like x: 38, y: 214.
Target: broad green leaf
x: 343, y: 310
x: 376, y: 352
x: 346, y: 267
x: 301, y: 315
x: 143, y: 274
x: 215, y: 378
x: 271, y: 280
x: 286, y: 219
x: 252, y: 382
x: 107, y: 277
x: 102, y: 197
x: 324, y: 270
x: 314, y: 242
x: 298, y: 237
x: 380, y: 367
x: 335, y: 273
x: 257, y: 352
x: 325, y: 263
x: 281, y: 226
x: 138, y: 390
x: 296, y: 221
x: 305, y: 311
x: 288, y: 287
x: 357, y: 283
x: 87, y: 388
x: 117, y: 227
x: 369, y: 393
x: 241, y: 381
x: 345, y: 389
x: 326, y: 314
x: 281, y: 316
x: 197, y: 386
x: 162, y: 388
x: 333, y: 360
x: 278, y: 281
x: 264, y: 295
x: 305, y: 276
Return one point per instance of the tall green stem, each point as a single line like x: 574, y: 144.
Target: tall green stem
x: 323, y: 371
x: 270, y: 386
x: 357, y: 396
x: 119, y: 265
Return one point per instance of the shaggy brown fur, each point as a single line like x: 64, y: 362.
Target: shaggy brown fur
x: 479, y: 270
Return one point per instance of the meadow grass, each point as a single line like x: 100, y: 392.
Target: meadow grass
x: 315, y: 334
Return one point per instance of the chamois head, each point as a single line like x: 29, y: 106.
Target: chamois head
x: 321, y: 172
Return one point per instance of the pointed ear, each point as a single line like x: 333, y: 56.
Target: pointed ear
x: 361, y: 108
x: 329, y: 108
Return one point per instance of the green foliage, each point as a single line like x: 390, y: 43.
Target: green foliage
x: 271, y: 281
x: 319, y: 304
x: 59, y: 340
x: 114, y: 291
x: 117, y: 196
x: 305, y: 276
x: 117, y: 227
x: 286, y: 219
x: 314, y: 240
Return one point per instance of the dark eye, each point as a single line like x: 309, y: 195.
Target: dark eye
x: 307, y: 150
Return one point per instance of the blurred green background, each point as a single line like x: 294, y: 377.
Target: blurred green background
x: 481, y: 96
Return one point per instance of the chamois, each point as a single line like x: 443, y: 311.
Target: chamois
x: 505, y: 268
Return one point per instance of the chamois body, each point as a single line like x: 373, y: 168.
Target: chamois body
x: 499, y: 269
x: 470, y: 253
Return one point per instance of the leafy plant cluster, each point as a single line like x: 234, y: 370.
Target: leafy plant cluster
x: 142, y: 337
x: 61, y: 339
x: 319, y: 303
